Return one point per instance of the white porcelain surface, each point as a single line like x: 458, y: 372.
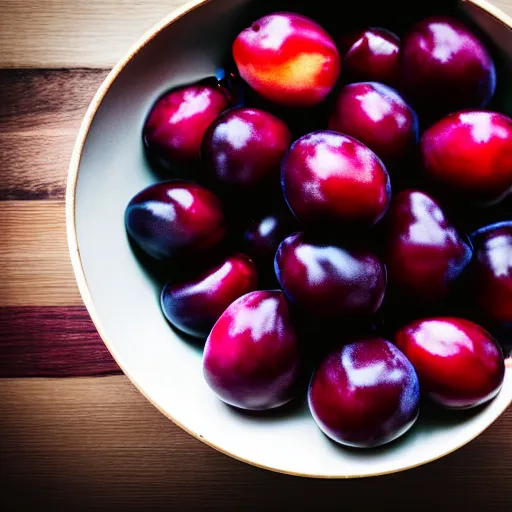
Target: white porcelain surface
x: 123, y: 301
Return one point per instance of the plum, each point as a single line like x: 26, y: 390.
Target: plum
x: 459, y: 364
x: 331, y: 179
x: 377, y: 116
x: 175, y: 218
x: 244, y: 147
x: 424, y: 253
x: 444, y: 67
x: 328, y: 280
x: 469, y: 154
x: 287, y: 59
x: 194, y: 306
x: 372, y: 54
x: 490, y: 273
x: 365, y: 394
x: 251, y: 357
x: 175, y: 127
x: 263, y: 236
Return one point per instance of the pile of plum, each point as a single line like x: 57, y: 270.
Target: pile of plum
x: 291, y: 254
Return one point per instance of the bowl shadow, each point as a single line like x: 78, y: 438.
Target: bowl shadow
x: 296, y: 407
x: 431, y: 418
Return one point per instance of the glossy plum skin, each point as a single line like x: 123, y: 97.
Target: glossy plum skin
x: 445, y: 67
x: 373, y: 56
x: 424, y: 253
x: 377, y: 116
x: 328, y: 280
x: 490, y: 273
x: 287, y: 59
x: 263, y: 236
x: 175, y: 127
x: 244, y: 147
x: 251, y: 357
x: 194, y: 306
x: 365, y: 394
x: 458, y: 363
x: 175, y: 218
x: 330, y: 179
x: 470, y: 153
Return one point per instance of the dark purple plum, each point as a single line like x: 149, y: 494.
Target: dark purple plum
x: 194, y: 306
x: 331, y: 179
x: 175, y: 127
x: 459, y: 364
x: 377, y: 116
x: 444, y: 67
x: 175, y: 218
x: 490, y: 274
x: 468, y: 155
x: 372, y: 54
x: 263, y: 236
x: 424, y: 253
x: 365, y: 394
x: 251, y: 357
x: 328, y: 280
x: 244, y: 147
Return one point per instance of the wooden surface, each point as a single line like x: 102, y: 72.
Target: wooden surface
x: 97, y: 441
x: 93, y: 440
x: 74, y: 33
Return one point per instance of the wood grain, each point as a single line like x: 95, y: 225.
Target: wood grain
x: 39, y: 99
x: 74, y: 33
x: 34, y: 259
x: 48, y: 341
x: 40, y: 113
x: 98, y: 442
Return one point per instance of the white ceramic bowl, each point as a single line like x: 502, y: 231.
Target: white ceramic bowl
x: 108, y: 167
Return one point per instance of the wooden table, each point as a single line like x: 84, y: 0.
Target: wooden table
x: 93, y: 440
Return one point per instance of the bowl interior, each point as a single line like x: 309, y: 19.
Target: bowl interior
x: 123, y: 298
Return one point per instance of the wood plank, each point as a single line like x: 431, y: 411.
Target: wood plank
x: 89, y: 442
x: 73, y: 33
x: 34, y: 259
x: 34, y: 165
x: 40, y: 114
x: 51, y: 342
x: 34, y: 100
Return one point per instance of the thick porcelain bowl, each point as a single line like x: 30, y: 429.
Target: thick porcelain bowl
x: 108, y: 167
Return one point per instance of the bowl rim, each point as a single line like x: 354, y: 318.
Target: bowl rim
x: 76, y: 260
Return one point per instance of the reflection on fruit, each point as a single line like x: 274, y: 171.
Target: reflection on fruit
x: 251, y: 357
x: 194, y: 306
x: 377, y: 116
x: 458, y: 363
x: 445, y: 67
x: 470, y: 154
x: 365, y: 394
x: 288, y: 59
x: 330, y: 179
x: 372, y: 54
x: 263, y: 236
x: 490, y: 273
x: 243, y: 148
x: 174, y: 129
x: 328, y: 280
x: 175, y: 218
x: 424, y: 253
